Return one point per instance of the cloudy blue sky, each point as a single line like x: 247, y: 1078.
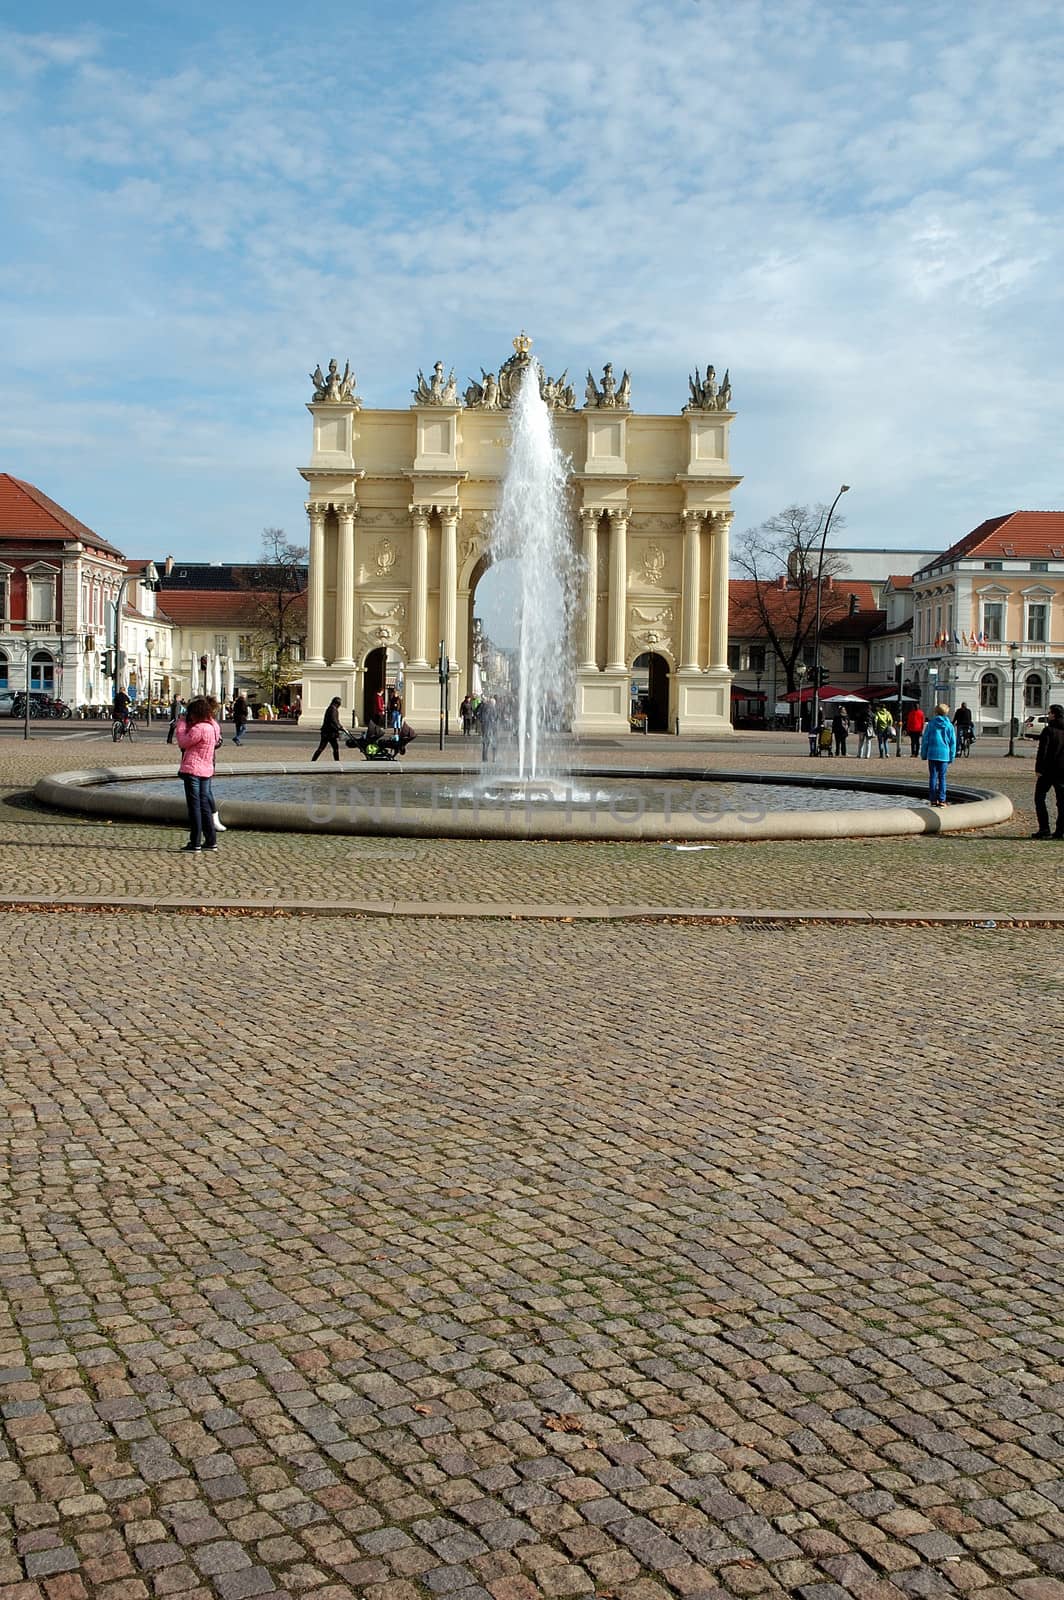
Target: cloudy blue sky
x: 855, y: 207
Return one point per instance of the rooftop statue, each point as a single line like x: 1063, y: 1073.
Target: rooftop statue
x: 499, y: 393
x: 706, y: 394
x: 332, y: 386
x: 611, y: 395
x: 437, y: 390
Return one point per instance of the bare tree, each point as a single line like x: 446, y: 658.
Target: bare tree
x: 276, y: 608
x: 779, y: 560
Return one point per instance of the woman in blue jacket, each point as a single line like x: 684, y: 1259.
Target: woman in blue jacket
x: 938, y: 748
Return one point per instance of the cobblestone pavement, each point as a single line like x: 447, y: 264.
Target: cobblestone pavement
x: 351, y: 1257
x: 358, y: 1258
x: 43, y: 853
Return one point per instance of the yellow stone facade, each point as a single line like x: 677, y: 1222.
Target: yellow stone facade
x: 400, y: 505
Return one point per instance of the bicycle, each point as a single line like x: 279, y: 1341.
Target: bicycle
x: 123, y: 727
x: 965, y: 740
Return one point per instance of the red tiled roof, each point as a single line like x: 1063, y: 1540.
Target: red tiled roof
x: 781, y: 604
x: 202, y: 607
x: 900, y: 580
x: 859, y: 626
x: 193, y: 608
x: 1017, y: 533
x: 26, y: 513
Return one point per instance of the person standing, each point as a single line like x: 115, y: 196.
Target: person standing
x: 883, y: 723
x: 198, y: 738
x: 840, y: 729
x: 1049, y: 767
x: 489, y: 740
x: 915, y: 723
x: 938, y: 748
x: 240, y: 717
x: 331, y: 729
x: 863, y: 724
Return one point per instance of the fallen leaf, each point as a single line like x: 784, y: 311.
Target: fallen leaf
x: 423, y: 1411
x: 565, y: 1423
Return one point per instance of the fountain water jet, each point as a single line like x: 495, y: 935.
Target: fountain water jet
x: 531, y: 527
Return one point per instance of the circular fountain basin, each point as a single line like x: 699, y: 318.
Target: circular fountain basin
x: 619, y: 804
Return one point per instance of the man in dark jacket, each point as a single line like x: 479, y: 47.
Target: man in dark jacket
x: 240, y: 717
x: 1049, y: 765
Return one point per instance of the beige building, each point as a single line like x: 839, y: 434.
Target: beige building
x: 988, y: 620
x: 400, y: 505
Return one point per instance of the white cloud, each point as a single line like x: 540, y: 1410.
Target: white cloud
x: 855, y: 209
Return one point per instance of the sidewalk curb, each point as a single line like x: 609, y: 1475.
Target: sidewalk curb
x: 506, y: 911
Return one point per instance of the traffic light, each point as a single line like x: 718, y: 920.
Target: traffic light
x: 108, y: 663
x: 823, y: 678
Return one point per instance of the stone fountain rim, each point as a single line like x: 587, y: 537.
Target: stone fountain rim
x: 97, y: 792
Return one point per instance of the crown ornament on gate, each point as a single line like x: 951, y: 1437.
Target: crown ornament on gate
x: 522, y: 344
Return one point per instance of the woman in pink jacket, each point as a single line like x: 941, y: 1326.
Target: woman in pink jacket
x: 198, y: 736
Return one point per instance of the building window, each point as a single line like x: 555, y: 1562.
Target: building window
x: 1032, y: 692
x: 3, y: 596
x: 988, y: 691
x: 851, y: 658
x: 221, y: 644
x: 245, y: 646
x: 757, y: 658
x: 1039, y: 566
x: 42, y: 673
x: 993, y: 621
x: 41, y: 598
x: 1036, y: 623
x: 3, y: 669
x: 993, y: 566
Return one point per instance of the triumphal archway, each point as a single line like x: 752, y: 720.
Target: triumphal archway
x: 401, y: 503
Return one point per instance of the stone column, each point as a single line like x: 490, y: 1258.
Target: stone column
x: 419, y: 585
x: 618, y: 589
x: 718, y: 620
x: 345, y: 587
x: 316, y: 510
x: 449, y: 578
x: 692, y: 582
x: 589, y: 516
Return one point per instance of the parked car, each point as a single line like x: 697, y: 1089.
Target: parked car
x: 1032, y: 726
x: 7, y: 702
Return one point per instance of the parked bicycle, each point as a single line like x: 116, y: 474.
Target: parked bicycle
x: 41, y: 705
x: 123, y: 727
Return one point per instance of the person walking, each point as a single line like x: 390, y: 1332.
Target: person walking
x: 465, y: 711
x: 938, y: 748
x: 863, y: 725
x: 1049, y: 767
x: 915, y: 724
x: 489, y: 739
x: 395, y: 710
x: 331, y: 729
x: 840, y: 730
x: 198, y: 737
x: 883, y: 723
x: 240, y: 717
x: 177, y: 709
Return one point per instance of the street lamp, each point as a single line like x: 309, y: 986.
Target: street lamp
x: 814, y: 707
x: 800, y: 673
x: 1014, y: 656
x: 149, y: 645
x: 151, y: 580
x: 899, y: 667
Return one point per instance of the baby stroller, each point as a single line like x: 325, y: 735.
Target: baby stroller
x: 377, y: 744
